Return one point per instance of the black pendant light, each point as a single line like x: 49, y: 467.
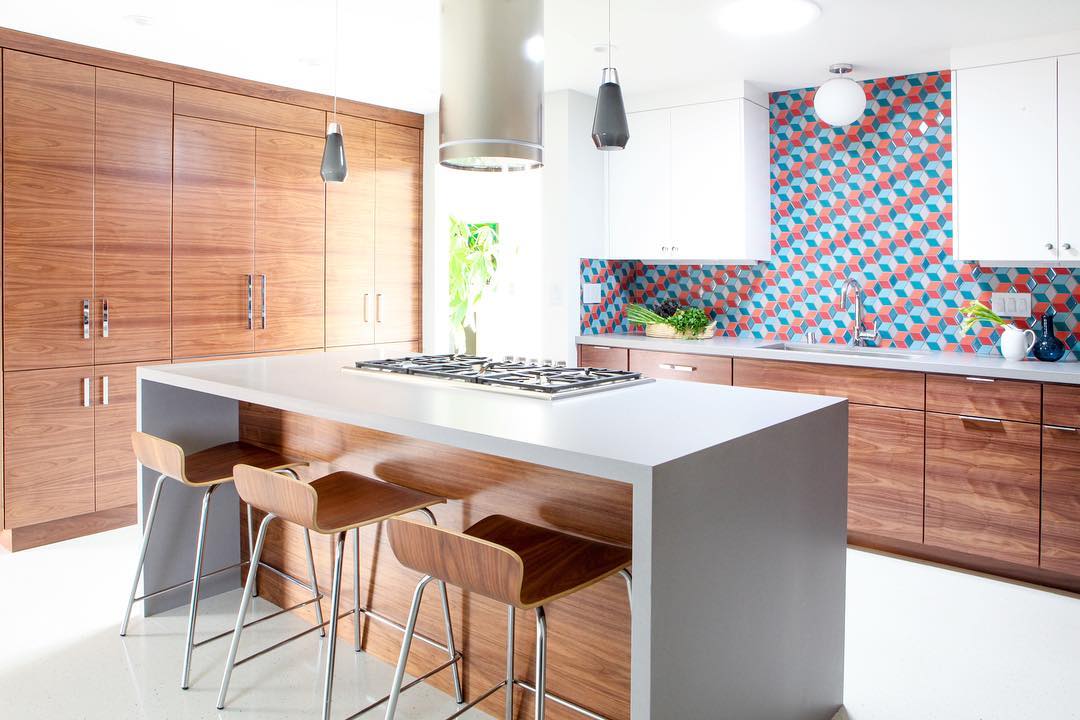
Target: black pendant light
x: 610, y: 130
x: 334, y: 167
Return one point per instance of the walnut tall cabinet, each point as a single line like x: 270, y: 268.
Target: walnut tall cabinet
x: 154, y: 213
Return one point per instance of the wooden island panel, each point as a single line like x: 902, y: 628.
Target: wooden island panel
x: 589, y: 632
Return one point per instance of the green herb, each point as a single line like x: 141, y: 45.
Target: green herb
x: 473, y: 262
x: 688, y: 321
x: 975, y: 313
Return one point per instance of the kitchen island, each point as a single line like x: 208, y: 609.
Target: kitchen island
x: 733, y: 500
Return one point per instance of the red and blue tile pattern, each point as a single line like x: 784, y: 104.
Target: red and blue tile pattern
x: 874, y: 201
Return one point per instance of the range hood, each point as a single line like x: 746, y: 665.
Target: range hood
x: 491, y: 109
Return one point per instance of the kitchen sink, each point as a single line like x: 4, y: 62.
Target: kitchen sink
x: 843, y: 351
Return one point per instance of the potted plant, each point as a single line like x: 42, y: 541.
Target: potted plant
x: 1014, y: 344
x: 669, y: 320
x: 473, y: 263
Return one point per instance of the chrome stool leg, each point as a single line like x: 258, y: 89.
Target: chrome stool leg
x: 252, y: 566
x: 249, y: 589
x: 314, y: 582
x: 193, y: 609
x: 625, y: 573
x: 510, y: 616
x: 406, y: 643
x: 335, y: 598
x: 451, y: 652
x: 541, y: 662
x: 357, y: 639
x: 142, y: 552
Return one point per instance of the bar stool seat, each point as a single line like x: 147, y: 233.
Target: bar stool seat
x: 215, y: 465
x: 345, y: 500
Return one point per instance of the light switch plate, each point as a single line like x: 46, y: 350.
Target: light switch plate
x: 590, y: 293
x: 1011, y: 304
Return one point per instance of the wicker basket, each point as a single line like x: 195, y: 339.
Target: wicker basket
x: 660, y: 330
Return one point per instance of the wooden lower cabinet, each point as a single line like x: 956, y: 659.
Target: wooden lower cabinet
x: 982, y: 487
x: 885, y: 472
x: 682, y: 366
x: 114, y: 420
x: 1060, y: 549
x: 609, y: 358
x: 48, y: 445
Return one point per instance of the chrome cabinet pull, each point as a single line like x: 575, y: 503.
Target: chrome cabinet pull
x: 263, y: 301
x: 251, y: 301
x: 598, y: 347
x: 104, y: 317
x: 1062, y: 428
x: 366, y: 303
x: 86, y: 319
x: 987, y: 421
x: 104, y: 389
x: 979, y: 379
x: 378, y: 307
x: 677, y: 368
x: 86, y: 392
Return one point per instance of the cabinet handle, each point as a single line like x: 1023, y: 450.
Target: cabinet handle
x: 104, y: 317
x: 86, y: 392
x: 600, y: 347
x: 674, y: 249
x: 86, y: 319
x: 378, y: 307
x: 986, y: 421
x: 978, y: 379
x: 1062, y: 428
x: 251, y: 301
x: 104, y: 389
x: 367, y: 303
x: 664, y: 249
x: 263, y: 301
x: 677, y: 368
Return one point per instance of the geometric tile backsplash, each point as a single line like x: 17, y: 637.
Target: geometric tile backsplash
x: 872, y: 200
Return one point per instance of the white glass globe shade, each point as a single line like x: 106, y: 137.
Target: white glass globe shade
x: 840, y: 101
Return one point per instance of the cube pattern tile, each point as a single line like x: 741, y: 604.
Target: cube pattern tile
x: 872, y: 200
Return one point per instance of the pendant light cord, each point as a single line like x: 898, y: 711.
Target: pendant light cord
x: 337, y: 42
x: 609, y: 33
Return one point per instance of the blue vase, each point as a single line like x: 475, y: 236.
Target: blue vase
x: 1047, y: 347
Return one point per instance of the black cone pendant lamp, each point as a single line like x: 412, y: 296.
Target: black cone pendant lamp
x: 610, y: 130
x: 334, y: 168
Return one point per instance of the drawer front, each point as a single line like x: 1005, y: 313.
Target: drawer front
x: 866, y: 386
x: 1061, y: 405
x: 595, y: 356
x: 885, y: 472
x: 1061, y: 499
x: 982, y: 487
x: 681, y: 366
x: 984, y: 397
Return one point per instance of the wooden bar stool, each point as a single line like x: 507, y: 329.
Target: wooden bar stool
x: 208, y: 469
x: 333, y: 505
x: 522, y: 565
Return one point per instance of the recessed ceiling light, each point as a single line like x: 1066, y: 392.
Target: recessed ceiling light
x: 140, y: 20
x: 767, y: 17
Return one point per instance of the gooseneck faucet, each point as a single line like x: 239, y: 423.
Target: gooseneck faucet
x: 860, y: 335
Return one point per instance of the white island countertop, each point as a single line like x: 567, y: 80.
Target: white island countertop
x: 621, y: 434
x: 1066, y: 371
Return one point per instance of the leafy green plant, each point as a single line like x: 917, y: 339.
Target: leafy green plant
x: 687, y: 321
x: 473, y: 263
x: 975, y: 312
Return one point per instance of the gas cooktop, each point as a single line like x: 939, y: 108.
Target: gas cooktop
x: 518, y: 376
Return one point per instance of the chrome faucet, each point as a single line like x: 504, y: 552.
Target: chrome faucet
x: 860, y: 335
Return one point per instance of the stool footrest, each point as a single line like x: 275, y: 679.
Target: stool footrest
x: 561, y: 701
x: 438, y: 668
x: 287, y: 640
x: 271, y: 568
x: 227, y: 633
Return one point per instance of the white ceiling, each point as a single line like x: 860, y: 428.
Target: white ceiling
x: 389, y: 48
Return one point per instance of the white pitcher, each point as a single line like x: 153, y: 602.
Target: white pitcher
x: 1013, y: 343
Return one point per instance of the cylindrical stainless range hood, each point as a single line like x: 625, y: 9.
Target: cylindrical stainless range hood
x: 491, y: 110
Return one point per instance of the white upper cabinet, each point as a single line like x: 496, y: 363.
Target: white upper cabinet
x: 1069, y: 159
x: 1006, y: 167
x: 692, y: 184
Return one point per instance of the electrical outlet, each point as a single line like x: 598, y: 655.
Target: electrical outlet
x: 1011, y: 304
x: 590, y: 293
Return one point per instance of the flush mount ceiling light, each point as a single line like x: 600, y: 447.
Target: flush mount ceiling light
x: 334, y: 168
x: 491, y: 108
x: 767, y: 17
x: 840, y: 101
x: 610, y: 130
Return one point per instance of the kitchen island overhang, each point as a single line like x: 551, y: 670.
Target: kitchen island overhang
x: 738, y: 505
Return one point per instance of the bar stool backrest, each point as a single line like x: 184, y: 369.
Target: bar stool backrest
x: 468, y: 562
x: 277, y: 493
x: 161, y: 456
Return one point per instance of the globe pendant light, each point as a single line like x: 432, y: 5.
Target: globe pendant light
x: 840, y: 101
x: 610, y: 130
x: 334, y: 168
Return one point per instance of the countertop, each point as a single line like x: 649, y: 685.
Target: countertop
x: 948, y: 363
x: 622, y: 434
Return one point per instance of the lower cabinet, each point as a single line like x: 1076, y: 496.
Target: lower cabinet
x: 609, y: 358
x: 885, y: 472
x: 682, y: 366
x: 113, y: 397
x: 982, y: 487
x: 1060, y: 549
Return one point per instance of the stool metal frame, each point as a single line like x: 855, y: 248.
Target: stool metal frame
x: 198, y: 575
x: 454, y: 655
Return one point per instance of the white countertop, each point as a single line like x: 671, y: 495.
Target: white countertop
x: 948, y: 363
x: 620, y: 434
